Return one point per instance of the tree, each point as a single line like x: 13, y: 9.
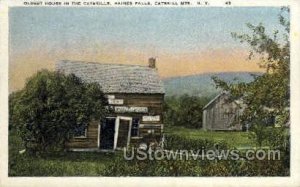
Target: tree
x: 184, y: 110
x: 269, y: 94
x: 51, y: 106
x: 13, y: 98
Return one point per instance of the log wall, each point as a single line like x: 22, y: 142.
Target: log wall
x: 149, y: 131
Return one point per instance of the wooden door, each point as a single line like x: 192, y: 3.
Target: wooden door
x: 124, y: 129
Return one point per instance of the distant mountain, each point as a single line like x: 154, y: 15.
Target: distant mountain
x: 202, y: 85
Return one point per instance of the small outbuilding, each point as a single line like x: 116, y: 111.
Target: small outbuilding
x: 135, y: 94
x: 223, y: 114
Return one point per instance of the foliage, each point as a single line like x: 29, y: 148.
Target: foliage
x: 235, y: 139
x: 12, y: 100
x: 184, y: 111
x: 112, y: 164
x: 200, y: 167
x: 268, y: 96
x: 50, y: 107
x: 120, y: 167
x: 176, y: 142
x: 273, y: 137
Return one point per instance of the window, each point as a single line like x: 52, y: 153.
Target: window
x: 80, y: 131
x: 135, y: 127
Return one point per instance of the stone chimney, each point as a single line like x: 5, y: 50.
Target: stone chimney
x: 152, y: 62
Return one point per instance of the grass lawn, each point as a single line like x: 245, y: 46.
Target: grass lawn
x: 97, y: 164
x: 233, y: 138
x: 59, y: 164
x: 86, y: 163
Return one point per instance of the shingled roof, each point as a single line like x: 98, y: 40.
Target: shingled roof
x: 115, y: 78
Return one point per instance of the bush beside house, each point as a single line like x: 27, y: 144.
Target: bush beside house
x: 47, y: 112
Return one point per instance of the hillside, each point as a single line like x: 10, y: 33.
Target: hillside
x: 202, y: 85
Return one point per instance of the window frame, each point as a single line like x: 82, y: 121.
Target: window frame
x: 137, y: 128
x: 82, y: 136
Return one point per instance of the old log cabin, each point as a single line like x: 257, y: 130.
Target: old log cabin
x: 135, y: 94
x: 221, y: 113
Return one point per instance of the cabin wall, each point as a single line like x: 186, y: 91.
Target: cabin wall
x: 150, y: 130
x: 222, y: 115
x: 91, y: 139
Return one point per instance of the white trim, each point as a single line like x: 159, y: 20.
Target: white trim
x: 143, y: 125
x: 89, y: 150
x: 117, y: 125
x: 213, y: 100
x: 204, y: 116
x: 111, y: 117
x: 129, y: 132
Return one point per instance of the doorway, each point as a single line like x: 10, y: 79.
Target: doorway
x: 115, y: 132
x: 107, y: 133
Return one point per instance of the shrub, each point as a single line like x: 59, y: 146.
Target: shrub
x: 51, y: 106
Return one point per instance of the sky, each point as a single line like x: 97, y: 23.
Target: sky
x: 185, y: 41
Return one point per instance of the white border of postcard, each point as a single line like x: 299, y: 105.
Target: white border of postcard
x: 293, y: 180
